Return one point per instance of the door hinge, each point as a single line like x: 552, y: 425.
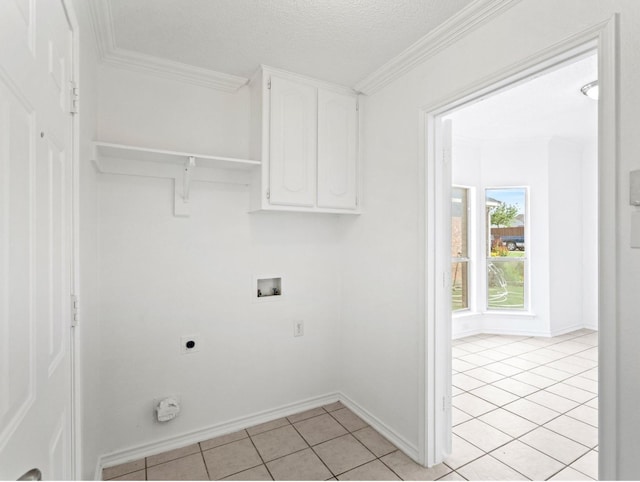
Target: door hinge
x: 356, y: 200
x: 74, y: 97
x: 268, y: 194
x: 357, y: 105
x: 269, y: 84
x: 75, y: 310
x: 444, y: 404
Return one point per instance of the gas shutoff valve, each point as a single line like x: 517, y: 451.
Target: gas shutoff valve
x: 167, y: 409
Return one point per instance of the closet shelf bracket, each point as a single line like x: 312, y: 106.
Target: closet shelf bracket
x: 186, y: 181
x: 181, y: 197
x: 181, y: 206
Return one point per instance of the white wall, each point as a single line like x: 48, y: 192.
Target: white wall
x: 162, y: 277
x: 589, y: 173
x: 144, y: 110
x: 552, y: 170
x: 382, y: 343
x: 566, y: 236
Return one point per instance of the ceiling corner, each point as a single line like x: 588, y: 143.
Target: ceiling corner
x: 457, y: 26
x: 109, y: 53
x: 102, y: 25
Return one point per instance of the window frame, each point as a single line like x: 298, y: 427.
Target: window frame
x: 526, y: 258
x: 469, y: 259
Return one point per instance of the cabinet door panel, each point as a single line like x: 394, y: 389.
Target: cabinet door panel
x: 293, y: 143
x: 337, y: 150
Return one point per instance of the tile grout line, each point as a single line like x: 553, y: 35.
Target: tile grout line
x: 259, y: 455
x: 311, y: 446
x: 367, y: 448
x: 206, y: 467
x: 350, y: 432
x: 589, y: 449
x: 537, y: 388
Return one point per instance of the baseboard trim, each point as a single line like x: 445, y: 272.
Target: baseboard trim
x: 511, y: 332
x: 569, y: 329
x: 465, y: 333
x: 151, y: 448
x: 404, y: 445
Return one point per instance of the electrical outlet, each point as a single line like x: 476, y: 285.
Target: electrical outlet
x: 190, y: 344
x: 298, y: 328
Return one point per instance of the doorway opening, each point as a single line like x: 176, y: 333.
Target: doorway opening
x: 436, y: 444
x: 524, y: 279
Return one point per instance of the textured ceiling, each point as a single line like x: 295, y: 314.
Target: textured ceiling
x: 335, y: 40
x: 547, y: 106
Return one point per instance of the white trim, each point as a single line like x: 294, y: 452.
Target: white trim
x: 469, y: 332
x: 515, y: 332
x: 75, y: 410
x: 102, y: 25
x: 509, y: 313
x: 466, y: 20
x: 170, y: 443
x: 604, y: 37
x: 403, y: 444
x: 168, y: 69
x: 608, y: 254
x: 138, y: 153
x: 110, y: 54
x: 340, y: 89
x: 569, y: 329
x: 152, y: 448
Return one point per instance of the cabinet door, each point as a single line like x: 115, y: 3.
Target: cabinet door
x: 337, y: 150
x: 293, y: 143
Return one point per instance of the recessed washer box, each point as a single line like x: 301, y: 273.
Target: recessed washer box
x: 267, y: 288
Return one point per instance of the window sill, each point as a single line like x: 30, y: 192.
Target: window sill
x: 465, y: 314
x: 511, y: 313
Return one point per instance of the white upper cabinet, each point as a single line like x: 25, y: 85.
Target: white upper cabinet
x: 306, y: 134
x: 293, y: 143
x: 337, y: 150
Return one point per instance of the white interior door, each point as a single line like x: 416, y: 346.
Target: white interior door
x: 293, y: 142
x: 35, y: 238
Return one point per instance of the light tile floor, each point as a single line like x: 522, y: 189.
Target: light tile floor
x: 523, y: 408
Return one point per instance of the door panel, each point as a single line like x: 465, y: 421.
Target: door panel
x: 293, y: 140
x: 337, y: 150
x: 35, y: 236
x: 16, y: 320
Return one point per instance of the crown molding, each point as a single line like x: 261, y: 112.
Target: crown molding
x: 110, y: 54
x: 456, y: 27
x: 342, y: 89
x: 102, y: 25
x: 169, y: 69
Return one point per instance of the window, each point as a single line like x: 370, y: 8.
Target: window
x: 506, y: 248
x: 459, y: 248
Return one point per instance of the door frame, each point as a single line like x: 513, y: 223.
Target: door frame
x: 74, y: 335
x: 435, y: 330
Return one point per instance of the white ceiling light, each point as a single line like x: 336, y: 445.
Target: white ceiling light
x: 591, y: 90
